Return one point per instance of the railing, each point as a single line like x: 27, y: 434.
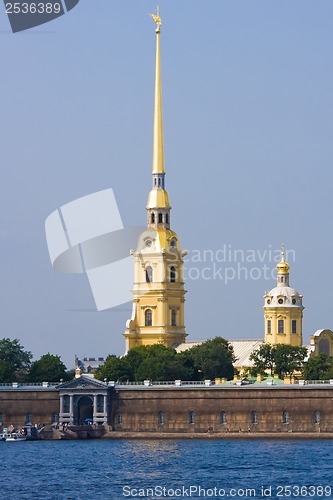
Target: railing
x: 315, y: 382
x: 20, y: 385
x: 174, y: 383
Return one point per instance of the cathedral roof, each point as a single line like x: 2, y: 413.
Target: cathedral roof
x: 285, y: 291
x: 282, y: 296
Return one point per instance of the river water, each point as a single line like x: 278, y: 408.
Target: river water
x: 116, y: 469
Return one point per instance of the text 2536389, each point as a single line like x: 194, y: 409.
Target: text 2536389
x: 33, y: 8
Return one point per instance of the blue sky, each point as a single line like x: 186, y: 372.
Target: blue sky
x: 247, y: 95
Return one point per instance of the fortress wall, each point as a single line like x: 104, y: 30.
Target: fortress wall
x: 140, y: 409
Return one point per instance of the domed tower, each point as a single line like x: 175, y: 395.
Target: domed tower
x: 158, y: 292
x: 283, y: 310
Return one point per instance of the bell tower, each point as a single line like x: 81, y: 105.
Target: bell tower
x: 283, y: 310
x: 158, y: 292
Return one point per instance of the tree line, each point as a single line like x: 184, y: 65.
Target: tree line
x: 286, y: 360
x: 211, y: 359
x: 16, y: 365
x: 156, y: 362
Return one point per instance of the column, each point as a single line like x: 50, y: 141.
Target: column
x: 95, y: 408
x: 71, y: 408
x: 61, y: 408
x: 105, y: 421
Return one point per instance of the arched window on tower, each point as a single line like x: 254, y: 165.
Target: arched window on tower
x: 324, y: 347
x: 148, y: 317
x: 167, y: 218
x: 269, y: 326
x: 160, y: 218
x: 149, y: 274
x: 280, y: 326
x: 152, y: 218
x: 173, y: 317
x: 285, y: 417
x: 172, y: 274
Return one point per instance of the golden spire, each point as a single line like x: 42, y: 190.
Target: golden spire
x: 283, y: 266
x: 158, y: 147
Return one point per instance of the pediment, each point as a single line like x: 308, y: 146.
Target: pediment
x: 83, y: 382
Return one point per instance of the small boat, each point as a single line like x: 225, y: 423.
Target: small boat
x: 12, y: 436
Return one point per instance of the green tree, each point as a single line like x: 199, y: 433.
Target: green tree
x: 159, y: 363
x: 153, y: 362
x: 213, y: 358
x: 49, y: 368
x: 115, y: 368
x: 289, y: 359
x: 318, y: 367
x: 264, y: 358
x: 14, y: 360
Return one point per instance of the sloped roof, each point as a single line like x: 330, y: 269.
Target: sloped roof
x: 242, y: 350
x: 84, y: 382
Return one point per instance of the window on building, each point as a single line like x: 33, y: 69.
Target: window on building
x: 149, y: 274
x: 191, y: 417
x: 28, y: 418
x: 223, y: 417
x: 0, y: 419
x: 254, y: 417
x: 148, y: 317
x: 269, y: 326
x: 100, y: 403
x: 167, y: 218
x: 285, y: 417
x: 160, y: 218
x: 172, y: 274
x: 161, y: 418
x: 152, y: 218
x: 66, y: 404
x: 119, y: 418
x: 293, y: 326
x: 280, y: 301
x: 316, y: 417
x: 281, y: 326
x: 173, y: 317
x: 55, y: 417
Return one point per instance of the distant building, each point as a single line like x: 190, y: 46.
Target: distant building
x: 322, y: 343
x: 87, y: 366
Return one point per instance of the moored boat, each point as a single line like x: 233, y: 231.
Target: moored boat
x: 12, y: 436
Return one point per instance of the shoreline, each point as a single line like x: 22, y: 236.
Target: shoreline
x: 218, y: 435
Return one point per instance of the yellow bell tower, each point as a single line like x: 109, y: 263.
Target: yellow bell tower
x: 158, y: 293
x: 283, y: 310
